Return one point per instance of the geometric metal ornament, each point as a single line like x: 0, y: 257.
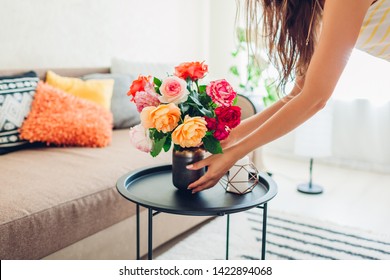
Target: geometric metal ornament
x: 232, y: 184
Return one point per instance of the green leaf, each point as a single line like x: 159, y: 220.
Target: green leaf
x: 235, y: 53
x: 184, y: 107
x: 197, y: 105
x: 235, y: 100
x: 212, y: 145
x: 207, y: 112
x: 157, y: 81
x: 168, y: 143
x: 195, y: 100
x: 157, y: 147
x: 156, y: 135
x: 202, y: 89
x: 206, y: 100
x: 234, y: 71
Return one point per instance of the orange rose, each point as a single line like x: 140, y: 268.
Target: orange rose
x: 190, y: 132
x: 138, y: 85
x: 146, y: 117
x: 164, y: 118
x: 192, y: 70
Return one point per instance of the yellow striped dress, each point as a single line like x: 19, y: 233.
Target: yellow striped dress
x: 374, y: 37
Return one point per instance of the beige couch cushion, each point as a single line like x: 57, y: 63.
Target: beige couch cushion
x: 53, y: 197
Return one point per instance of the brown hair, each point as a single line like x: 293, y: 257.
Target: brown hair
x: 289, y: 28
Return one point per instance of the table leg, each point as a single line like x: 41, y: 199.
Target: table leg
x: 227, y: 236
x: 150, y: 233
x: 263, y: 240
x: 138, y: 234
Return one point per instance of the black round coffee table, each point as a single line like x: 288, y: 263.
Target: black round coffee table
x: 152, y: 188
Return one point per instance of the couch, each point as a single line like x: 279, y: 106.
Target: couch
x: 62, y: 203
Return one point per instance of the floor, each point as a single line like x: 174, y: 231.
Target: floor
x: 351, y: 198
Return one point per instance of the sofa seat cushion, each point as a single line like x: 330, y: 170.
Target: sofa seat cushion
x: 53, y: 197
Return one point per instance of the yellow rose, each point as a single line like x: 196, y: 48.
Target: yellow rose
x: 190, y: 132
x: 164, y: 118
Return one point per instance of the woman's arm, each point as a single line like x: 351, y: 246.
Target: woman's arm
x: 341, y: 24
x: 248, y: 125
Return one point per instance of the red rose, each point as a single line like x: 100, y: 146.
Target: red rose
x: 229, y: 116
x: 192, y: 70
x: 138, y: 85
x: 221, y: 132
x: 211, y: 123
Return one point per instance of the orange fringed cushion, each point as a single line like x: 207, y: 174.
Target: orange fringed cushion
x: 59, y: 118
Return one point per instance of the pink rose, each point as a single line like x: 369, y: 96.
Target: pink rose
x: 139, y: 138
x: 144, y: 99
x: 221, y: 92
x: 173, y: 90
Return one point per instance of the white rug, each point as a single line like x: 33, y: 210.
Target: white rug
x: 288, y: 237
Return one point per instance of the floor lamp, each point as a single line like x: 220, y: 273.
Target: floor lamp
x: 309, y: 187
x: 313, y: 139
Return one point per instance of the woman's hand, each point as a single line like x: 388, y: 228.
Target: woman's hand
x: 218, y: 165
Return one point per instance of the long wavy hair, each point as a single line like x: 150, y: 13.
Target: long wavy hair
x: 290, y: 30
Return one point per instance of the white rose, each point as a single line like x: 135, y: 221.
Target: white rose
x: 173, y: 90
x: 139, y: 138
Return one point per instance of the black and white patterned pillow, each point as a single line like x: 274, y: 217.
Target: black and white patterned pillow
x: 16, y: 95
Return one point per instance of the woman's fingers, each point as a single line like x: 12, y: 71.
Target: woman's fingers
x: 210, y: 179
x: 197, y: 185
x: 217, y: 167
x: 205, y: 182
x: 199, y: 164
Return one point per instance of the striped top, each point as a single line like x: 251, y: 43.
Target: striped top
x: 374, y: 37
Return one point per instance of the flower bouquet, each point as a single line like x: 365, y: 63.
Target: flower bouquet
x: 179, y: 110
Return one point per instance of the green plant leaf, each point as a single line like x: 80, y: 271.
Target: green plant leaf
x: 212, y: 145
x: 235, y: 100
x: 198, y: 106
x: 234, y: 71
x: 157, y: 147
x: 167, y: 143
x: 155, y: 134
x: 195, y: 100
x: 184, y: 107
x: 206, y: 100
x: 157, y: 81
x: 202, y: 89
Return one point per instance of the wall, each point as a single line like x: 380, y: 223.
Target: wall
x: 222, y: 37
x: 88, y: 33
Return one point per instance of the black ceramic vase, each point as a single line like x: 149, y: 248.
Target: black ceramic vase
x: 181, y: 176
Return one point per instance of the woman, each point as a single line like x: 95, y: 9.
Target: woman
x: 317, y: 61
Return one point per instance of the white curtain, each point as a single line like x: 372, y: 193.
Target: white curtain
x: 360, y: 136
x: 362, y: 133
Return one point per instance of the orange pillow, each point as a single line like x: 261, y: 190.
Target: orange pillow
x: 59, y: 118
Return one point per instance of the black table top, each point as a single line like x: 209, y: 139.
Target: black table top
x: 152, y: 188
